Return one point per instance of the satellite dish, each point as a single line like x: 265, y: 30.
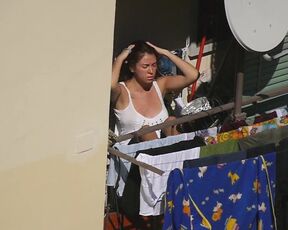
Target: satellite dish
x: 258, y: 25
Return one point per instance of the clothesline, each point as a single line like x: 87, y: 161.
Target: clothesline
x: 188, y: 118
x: 134, y: 161
x: 191, y: 117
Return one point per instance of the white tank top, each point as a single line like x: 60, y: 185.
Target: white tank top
x: 129, y: 120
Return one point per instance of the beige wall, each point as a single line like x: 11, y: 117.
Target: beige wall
x: 55, y: 64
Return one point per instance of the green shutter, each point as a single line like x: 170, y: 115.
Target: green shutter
x: 261, y: 76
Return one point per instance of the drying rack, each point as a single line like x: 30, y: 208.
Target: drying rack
x: 187, y: 118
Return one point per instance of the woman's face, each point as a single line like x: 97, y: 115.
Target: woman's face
x: 145, y: 69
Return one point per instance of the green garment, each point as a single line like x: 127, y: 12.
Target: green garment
x: 220, y: 148
x: 264, y: 137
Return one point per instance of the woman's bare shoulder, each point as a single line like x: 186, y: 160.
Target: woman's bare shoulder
x: 123, y: 98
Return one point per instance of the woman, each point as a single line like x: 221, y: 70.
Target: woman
x: 138, y: 101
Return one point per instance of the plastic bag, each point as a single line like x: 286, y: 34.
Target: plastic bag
x: 195, y: 106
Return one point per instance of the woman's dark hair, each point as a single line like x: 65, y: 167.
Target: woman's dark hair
x: 138, y: 51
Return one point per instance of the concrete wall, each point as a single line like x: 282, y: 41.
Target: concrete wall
x: 55, y: 68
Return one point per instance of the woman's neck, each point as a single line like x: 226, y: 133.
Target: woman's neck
x: 140, y: 86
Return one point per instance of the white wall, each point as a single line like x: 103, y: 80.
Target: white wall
x: 55, y: 68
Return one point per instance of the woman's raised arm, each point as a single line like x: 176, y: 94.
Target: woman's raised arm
x: 190, y: 73
x: 116, y: 68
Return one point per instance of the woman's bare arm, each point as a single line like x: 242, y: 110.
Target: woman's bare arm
x: 170, y: 83
x: 116, y: 67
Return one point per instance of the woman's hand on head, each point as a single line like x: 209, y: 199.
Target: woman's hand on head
x: 125, y: 52
x: 159, y: 50
x: 116, y: 69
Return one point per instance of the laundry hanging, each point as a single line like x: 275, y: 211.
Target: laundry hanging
x: 281, y: 122
x: 197, y: 199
